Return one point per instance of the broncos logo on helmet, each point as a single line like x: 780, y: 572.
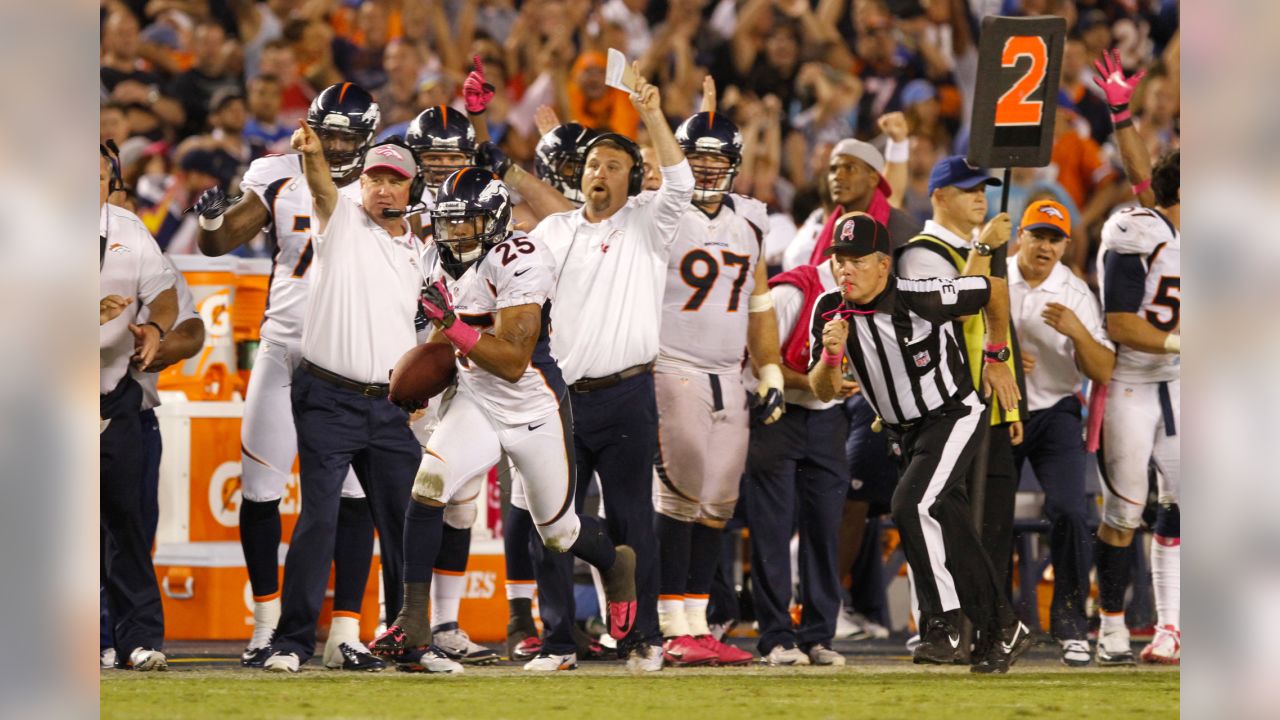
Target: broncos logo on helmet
x: 345, y: 117
x: 444, y: 141
x: 559, y: 156
x: 471, y: 215
x: 713, y: 145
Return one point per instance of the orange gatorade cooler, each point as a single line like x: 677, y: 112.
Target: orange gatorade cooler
x: 211, y: 373
x: 253, y: 281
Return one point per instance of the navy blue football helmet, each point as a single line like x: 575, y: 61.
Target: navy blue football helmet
x: 472, y: 214
x: 440, y: 130
x: 559, y: 156
x: 345, y: 117
x: 710, y: 135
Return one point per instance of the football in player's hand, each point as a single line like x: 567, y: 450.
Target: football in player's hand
x: 422, y: 373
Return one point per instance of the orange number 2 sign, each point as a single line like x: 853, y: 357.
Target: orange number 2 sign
x: 1013, y: 107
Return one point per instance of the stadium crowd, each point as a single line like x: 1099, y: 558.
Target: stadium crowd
x: 843, y: 108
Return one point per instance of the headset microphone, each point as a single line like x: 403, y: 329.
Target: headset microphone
x: 414, y: 209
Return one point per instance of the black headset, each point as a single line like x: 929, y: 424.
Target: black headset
x: 112, y: 154
x: 635, y: 178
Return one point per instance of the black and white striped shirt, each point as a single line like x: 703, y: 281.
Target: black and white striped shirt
x: 904, y: 348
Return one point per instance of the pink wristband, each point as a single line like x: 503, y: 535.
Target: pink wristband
x: 1121, y: 116
x: 831, y: 359
x: 463, y: 336
x: 1142, y: 187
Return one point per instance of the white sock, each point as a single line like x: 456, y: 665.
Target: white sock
x: 1166, y: 579
x: 671, y: 616
x: 1112, y: 621
x: 695, y: 613
x: 915, y: 601
x: 446, y: 596
x: 266, y: 615
x: 517, y: 590
x: 344, y: 629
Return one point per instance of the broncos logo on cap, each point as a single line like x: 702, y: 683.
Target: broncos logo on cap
x: 388, y: 151
x: 1052, y: 212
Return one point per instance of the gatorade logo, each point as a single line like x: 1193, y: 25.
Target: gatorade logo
x: 225, y: 495
x: 215, y: 312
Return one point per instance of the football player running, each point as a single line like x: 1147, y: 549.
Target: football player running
x: 491, y: 304
x: 275, y: 197
x: 716, y: 306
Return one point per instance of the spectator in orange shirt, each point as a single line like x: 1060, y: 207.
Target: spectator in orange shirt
x: 1082, y: 170
x: 596, y: 105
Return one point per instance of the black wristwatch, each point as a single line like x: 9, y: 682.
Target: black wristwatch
x: 998, y: 356
x: 982, y: 249
x: 158, y: 329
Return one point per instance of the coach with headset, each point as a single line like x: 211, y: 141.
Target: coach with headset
x: 612, y: 254
x: 359, y: 322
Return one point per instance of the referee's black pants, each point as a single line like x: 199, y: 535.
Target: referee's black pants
x: 133, y: 598
x: 797, y: 467
x: 340, y: 428
x: 931, y: 509
x: 1052, y: 442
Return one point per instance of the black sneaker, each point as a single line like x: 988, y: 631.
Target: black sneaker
x: 391, y: 642
x: 357, y: 659
x: 256, y: 656
x: 1004, y: 652
x: 939, y: 645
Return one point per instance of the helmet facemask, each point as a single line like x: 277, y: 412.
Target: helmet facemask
x: 344, y: 149
x: 713, y: 175
x: 440, y: 164
x: 464, y: 236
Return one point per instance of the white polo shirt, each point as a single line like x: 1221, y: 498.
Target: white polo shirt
x: 364, y: 296
x: 186, y: 311
x: 1055, y: 375
x: 607, y: 304
x: 132, y: 267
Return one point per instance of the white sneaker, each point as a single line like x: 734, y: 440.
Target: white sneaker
x: 282, y: 663
x: 847, y: 624
x: 1075, y: 653
x: 427, y: 660
x: 107, y: 658
x: 456, y: 643
x: 785, y: 656
x: 823, y: 655
x: 1165, y: 647
x: 646, y: 658
x: 547, y: 662
x: 1113, y: 647
x: 913, y: 642
x: 145, y: 660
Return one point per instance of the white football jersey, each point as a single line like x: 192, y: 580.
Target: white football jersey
x: 710, y: 278
x: 279, y: 181
x: 516, y: 271
x: 1139, y: 269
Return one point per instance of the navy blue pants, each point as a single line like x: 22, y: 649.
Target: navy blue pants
x: 615, y: 434
x: 797, y: 473
x: 151, y: 450
x: 129, y: 578
x: 1052, y: 442
x: 340, y: 428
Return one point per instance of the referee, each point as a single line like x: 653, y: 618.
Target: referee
x: 900, y: 339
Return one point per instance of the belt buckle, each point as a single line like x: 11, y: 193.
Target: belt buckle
x: 370, y: 391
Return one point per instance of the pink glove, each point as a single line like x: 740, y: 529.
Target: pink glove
x: 1118, y: 88
x: 476, y: 93
x: 437, y: 305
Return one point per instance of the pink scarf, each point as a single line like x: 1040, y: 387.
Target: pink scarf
x: 878, y: 208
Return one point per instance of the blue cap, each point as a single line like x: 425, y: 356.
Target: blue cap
x: 955, y: 170
x: 917, y: 91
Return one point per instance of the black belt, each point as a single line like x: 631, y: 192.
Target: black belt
x: 903, y: 428
x: 592, y: 384
x: 375, y: 390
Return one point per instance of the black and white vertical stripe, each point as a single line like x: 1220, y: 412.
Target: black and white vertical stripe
x: 908, y: 355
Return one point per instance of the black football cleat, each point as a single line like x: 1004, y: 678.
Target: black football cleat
x: 939, y: 645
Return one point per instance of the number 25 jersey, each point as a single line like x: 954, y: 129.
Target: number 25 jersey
x: 710, y: 278
x: 1139, y: 269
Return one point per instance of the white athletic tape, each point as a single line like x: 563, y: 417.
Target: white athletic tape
x: 760, y: 303
x: 210, y: 224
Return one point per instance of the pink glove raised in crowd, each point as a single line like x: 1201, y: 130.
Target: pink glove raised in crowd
x: 476, y: 93
x: 1118, y: 88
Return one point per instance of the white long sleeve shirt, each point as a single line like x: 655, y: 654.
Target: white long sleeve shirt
x: 607, y: 304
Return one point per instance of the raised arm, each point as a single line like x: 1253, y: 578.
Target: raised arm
x: 324, y: 193
x: 648, y: 104
x: 1133, y: 152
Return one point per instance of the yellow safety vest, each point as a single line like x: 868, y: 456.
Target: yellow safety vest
x: 975, y: 333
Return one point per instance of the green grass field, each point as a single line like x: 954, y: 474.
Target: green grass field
x: 884, y: 690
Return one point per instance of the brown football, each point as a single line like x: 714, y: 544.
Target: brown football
x: 423, y: 372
